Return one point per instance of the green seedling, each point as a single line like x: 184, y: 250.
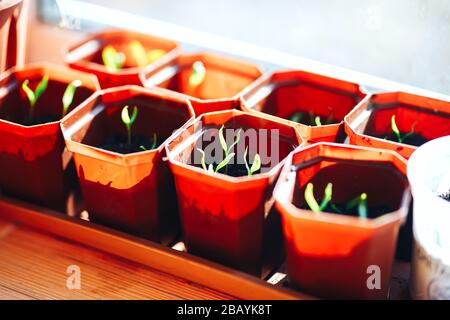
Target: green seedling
x: 210, y: 168
x: 311, y: 200
x: 112, y: 59
x: 129, y: 121
x: 223, y: 143
x: 33, y: 96
x: 227, y: 152
x: 256, y: 165
x: 69, y: 94
x: 401, y: 138
x: 155, y: 142
x: 359, y: 202
x: 314, y: 120
x: 143, y: 57
x: 198, y: 74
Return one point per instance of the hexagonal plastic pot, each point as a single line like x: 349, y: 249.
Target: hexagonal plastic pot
x: 367, y: 124
x: 34, y: 165
x: 87, y: 55
x: 222, y: 216
x: 133, y: 192
x: 283, y: 93
x: 224, y: 80
x: 333, y: 255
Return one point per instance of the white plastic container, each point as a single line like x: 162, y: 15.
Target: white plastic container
x: 429, y: 176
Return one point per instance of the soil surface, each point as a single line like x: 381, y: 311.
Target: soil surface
x: 413, y: 140
x: 308, y: 118
x: 446, y: 196
x: 233, y: 170
x: 119, y: 144
x: 39, y: 120
x: 373, y: 212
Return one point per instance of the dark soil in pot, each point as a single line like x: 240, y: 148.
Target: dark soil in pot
x: 446, y: 196
x: 413, y: 140
x: 309, y: 119
x: 49, y: 107
x: 373, y: 211
x: 119, y: 144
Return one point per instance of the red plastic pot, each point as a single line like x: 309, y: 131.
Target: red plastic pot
x: 9, y: 27
x: 224, y: 80
x: 367, y: 124
x: 130, y: 192
x: 282, y: 94
x: 34, y: 165
x: 87, y: 55
x: 223, y: 217
x: 331, y: 255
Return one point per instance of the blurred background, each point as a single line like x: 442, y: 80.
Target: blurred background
x: 401, y: 40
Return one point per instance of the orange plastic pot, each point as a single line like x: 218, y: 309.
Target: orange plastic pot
x: 333, y: 255
x: 87, y: 55
x: 367, y: 124
x: 224, y: 80
x: 223, y: 217
x: 282, y: 94
x: 130, y: 192
x: 34, y: 165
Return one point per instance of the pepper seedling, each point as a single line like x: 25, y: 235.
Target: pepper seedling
x: 256, y: 165
x: 155, y: 142
x: 359, y: 202
x: 129, y: 121
x: 33, y: 96
x: 401, y: 138
x: 227, y: 152
x: 314, y: 120
x: 198, y: 74
x: 223, y: 143
x: 141, y: 56
x: 112, y: 59
x: 69, y: 94
x: 210, y: 168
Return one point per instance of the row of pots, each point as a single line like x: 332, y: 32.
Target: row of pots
x: 226, y: 219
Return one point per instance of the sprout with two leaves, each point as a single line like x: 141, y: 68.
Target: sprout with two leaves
x: 359, y: 202
x: 34, y: 96
x: 128, y: 121
x: 401, y: 137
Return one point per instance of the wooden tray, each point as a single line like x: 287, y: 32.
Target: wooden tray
x: 169, y: 259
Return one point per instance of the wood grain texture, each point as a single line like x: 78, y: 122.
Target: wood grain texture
x: 33, y: 266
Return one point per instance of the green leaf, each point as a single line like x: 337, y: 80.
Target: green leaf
x: 198, y: 74
x: 155, y: 141
x: 317, y: 121
x: 126, y: 119
x: 297, y: 117
x: 328, y: 193
x: 41, y: 87
x: 256, y: 164
x: 362, y: 207
x: 143, y: 148
x: 245, y: 160
x: 222, y: 140
x: 310, y: 200
x: 113, y: 60
x: 29, y: 93
x: 224, y: 162
x: 203, y: 161
x: 69, y: 94
x: 395, y: 129
x: 235, y: 142
x: 336, y: 209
